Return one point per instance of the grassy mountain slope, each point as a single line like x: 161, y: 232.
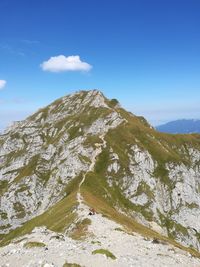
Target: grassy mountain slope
x: 140, y: 176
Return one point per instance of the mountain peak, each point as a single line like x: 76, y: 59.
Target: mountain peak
x: 69, y: 105
x: 84, y: 151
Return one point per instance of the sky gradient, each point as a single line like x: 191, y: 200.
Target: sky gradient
x: 144, y: 53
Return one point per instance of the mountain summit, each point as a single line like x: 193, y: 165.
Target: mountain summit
x: 84, y: 154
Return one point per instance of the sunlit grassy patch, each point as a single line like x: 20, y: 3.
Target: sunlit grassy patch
x: 71, y: 265
x: 81, y: 229
x: 34, y: 244
x: 105, y: 252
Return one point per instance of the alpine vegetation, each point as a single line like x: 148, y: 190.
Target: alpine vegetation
x: 83, y: 181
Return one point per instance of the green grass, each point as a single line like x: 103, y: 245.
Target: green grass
x: 105, y: 252
x: 3, y: 215
x: 58, y: 218
x: 174, y: 229
x: 95, y: 242
x: 3, y: 187
x: 144, y: 188
x: 34, y: 245
x: 129, y: 224
x: 163, y: 174
x: 163, y: 147
x: 113, y: 103
x: 28, y: 169
x: 81, y: 229
x: 71, y: 265
x: 119, y: 229
x: 97, y: 184
x: 102, y: 161
x: 19, y: 209
x: 3, y: 227
x: 91, y: 140
x: 74, y: 132
x: 84, y: 159
x: 192, y: 205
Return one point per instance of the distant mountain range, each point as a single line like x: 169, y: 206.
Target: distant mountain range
x: 180, y: 126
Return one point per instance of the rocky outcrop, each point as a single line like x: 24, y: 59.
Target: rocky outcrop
x: 176, y: 202
x: 42, y: 154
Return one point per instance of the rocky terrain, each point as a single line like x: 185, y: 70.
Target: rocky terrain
x: 84, y: 151
x: 114, y: 247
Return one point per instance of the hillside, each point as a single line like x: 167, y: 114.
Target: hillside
x: 85, y: 151
x: 180, y: 126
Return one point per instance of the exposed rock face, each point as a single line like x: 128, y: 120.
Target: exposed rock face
x: 178, y: 201
x: 151, y: 176
x: 40, y: 155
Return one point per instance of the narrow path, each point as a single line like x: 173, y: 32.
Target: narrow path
x: 97, y: 151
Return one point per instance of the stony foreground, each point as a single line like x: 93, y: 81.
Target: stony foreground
x: 56, y: 250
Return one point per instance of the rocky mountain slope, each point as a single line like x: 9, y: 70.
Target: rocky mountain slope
x: 83, y: 151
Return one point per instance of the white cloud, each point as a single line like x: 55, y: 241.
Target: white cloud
x: 61, y: 63
x: 2, y: 84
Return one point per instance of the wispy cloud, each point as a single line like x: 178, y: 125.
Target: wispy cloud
x: 6, y: 47
x: 62, y: 63
x: 11, y: 50
x: 30, y: 42
x: 9, y: 116
x: 14, y: 101
x: 19, y: 101
x: 2, y: 84
x: 18, y: 47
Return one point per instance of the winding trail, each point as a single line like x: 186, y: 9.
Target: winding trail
x: 97, y: 152
x: 103, y: 233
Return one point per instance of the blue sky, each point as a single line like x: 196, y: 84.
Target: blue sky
x: 144, y: 53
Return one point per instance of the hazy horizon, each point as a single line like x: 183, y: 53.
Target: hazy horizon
x: 10, y: 117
